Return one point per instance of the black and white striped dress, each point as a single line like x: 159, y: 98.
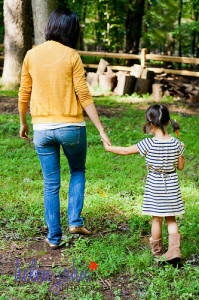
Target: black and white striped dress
x: 162, y: 195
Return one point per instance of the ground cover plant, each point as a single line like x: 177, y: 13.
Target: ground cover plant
x: 112, y: 209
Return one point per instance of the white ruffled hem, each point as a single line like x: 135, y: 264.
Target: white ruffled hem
x: 163, y: 214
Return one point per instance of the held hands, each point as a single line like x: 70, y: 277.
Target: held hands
x: 104, y: 138
x: 24, y: 131
x: 106, y: 146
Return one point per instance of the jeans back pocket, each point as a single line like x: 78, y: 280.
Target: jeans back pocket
x: 39, y: 138
x: 70, y: 135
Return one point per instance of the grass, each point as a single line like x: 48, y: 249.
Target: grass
x: 113, y: 199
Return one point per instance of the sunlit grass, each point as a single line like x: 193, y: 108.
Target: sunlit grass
x: 113, y: 200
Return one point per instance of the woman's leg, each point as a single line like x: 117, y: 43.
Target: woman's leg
x: 156, y: 228
x: 74, y: 145
x: 49, y: 155
x: 172, y: 224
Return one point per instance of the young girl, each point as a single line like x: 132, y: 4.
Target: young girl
x: 162, y: 197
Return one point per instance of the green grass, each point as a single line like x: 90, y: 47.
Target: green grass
x: 113, y: 197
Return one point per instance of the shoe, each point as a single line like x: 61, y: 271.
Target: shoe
x: 173, y: 252
x: 157, y: 247
x: 80, y: 230
x: 52, y: 246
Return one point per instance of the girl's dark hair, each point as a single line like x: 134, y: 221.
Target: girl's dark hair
x: 63, y: 26
x: 158, y: 115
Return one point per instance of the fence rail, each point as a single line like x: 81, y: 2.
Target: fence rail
x: 144, y: 57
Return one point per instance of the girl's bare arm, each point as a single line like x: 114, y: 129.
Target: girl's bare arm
x: 122, y: 150
x: 181, y: 162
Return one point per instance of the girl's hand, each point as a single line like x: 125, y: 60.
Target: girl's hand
x: 183, y: 144
x: 24, y: 131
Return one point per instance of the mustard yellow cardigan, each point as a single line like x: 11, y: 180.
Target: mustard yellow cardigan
x: 53, y: 77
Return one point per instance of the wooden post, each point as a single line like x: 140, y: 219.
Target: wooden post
x: 143, y: 57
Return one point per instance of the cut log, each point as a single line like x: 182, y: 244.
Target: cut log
x: 157, y: 92
x: 189, y: 88
x: 102, y: 66
x: 166, y: 93
x: 146, y: 74
x: 194, y: 98
x: 136, y: 71
x: 92, y: 80
x: 143, y: 86
x: 125, y: 84
x: 109, y: 72
x: 107, y: 82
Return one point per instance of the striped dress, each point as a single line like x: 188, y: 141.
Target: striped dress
x: 162, y: 195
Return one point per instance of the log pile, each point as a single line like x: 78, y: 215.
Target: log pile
x: 138, y: 80
x: 142, y: 81
x: 179, y: 88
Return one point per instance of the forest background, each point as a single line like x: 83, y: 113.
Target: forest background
x: 168, y: 27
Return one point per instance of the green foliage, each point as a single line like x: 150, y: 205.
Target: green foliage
x: 103, y: 25
x: 163, y: 31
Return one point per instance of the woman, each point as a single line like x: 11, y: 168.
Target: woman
x: 53, y: 75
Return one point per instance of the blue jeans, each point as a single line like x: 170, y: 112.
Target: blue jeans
x: 47, y: 144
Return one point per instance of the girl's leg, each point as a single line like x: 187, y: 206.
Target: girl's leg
x: 173, y: 252
x: 156, y: 238
x: 172, y: 224
x: 156, y: 228
x: 49, y: 155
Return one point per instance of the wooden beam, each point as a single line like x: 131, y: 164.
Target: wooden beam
x: 187, y: 60
x: 116, y: 68
x: 177, y: 72
x: 108, y: 54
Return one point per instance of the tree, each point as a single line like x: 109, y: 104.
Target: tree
x: 41, y: 11
x: 17, y: 39
x: 134, y: 15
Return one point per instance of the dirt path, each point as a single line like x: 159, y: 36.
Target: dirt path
x: 10, y: 106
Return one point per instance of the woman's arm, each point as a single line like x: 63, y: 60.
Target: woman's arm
x: 84, y: 96
x: 24, y: 128
x: 181, y: 162
x: 93, y: 115
x: 122, y: 150
x: 24, y: 97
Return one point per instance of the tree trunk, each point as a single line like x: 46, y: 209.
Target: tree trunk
x: 82, y: 26
x: 41, y: 11
x: 108, y: 26
x: 193, y: 38
x: 135, y: 11
x: 17, y: 40
x: 179, y: 23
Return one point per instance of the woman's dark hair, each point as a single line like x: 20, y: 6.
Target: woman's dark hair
x: 158, y: 115
x: 63, y: 26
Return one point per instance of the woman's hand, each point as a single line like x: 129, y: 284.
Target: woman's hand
x: 105, y: 138
x: 24, y: 131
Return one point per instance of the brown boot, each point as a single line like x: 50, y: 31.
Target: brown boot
x: 173, y: 252
x: 157, y: 247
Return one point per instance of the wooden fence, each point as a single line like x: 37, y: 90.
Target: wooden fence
x: 144, y: 57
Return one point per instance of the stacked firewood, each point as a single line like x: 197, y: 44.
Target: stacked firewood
x: 138, y: 80
x: 141, y: 81
x: 178, y: 87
